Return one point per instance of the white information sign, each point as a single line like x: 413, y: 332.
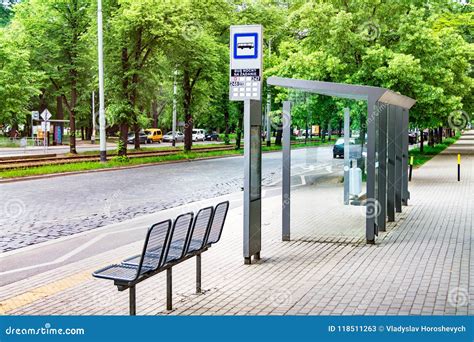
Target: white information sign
x: 46, y: 115
x: 246, y: 63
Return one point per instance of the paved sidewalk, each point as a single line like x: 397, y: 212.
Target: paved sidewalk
x: 422, y: 265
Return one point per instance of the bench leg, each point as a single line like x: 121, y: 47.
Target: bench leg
x: 198, y: 273
x: 256, y: 257
x: 133, y: 305
x: 169, y: 289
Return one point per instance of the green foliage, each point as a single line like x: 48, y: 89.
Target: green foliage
x: 421, y: 48
x: 18, y: 82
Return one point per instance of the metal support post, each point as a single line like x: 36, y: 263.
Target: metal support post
x: 398, y: 160
x: 286, y: 177
x: 102, y: 133
x: 371, y: 227
x: 382, y: 168
x: 252, y: 180
x: 198, y: 273
x: 93, y: 119
x: 347, y: 125
x: 133, y: 306
x: 268, y: 119
x: 173, y: 124
x: 169, y: 289
x: 405, y: 193
x: 391, y: 163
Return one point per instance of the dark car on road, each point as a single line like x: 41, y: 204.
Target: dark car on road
x: 143, y: 138
x: 212, y: 136
x: 338, y: 149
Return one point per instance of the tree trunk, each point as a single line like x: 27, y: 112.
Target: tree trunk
x: 136, y: 142
x: 431, y: 137
x: 238, y: 137
x: 154, y: 113
x: 339, y: 134
x: 226, y: 123
x: 188, y: 118
x: 440, y: 135
x: 60, y: 116
x: 422, y: 141
x: 279, y: 136
x: 122, y: 146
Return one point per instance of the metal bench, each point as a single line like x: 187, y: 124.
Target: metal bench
x: 167, y: 244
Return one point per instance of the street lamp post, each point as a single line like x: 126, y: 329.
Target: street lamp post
x: 103, y: 142
x: 175, y: 89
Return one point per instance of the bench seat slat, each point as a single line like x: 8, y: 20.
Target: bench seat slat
x: 120, y: 272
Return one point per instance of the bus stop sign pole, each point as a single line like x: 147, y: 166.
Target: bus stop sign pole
x: 245, y: 84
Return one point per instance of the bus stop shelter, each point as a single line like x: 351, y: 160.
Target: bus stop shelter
x: 386, y: 166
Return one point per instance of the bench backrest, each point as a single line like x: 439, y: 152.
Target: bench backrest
x: 156, y: 242
x: 200, y: 229
x: 179, y: 236
x: 218, y: 220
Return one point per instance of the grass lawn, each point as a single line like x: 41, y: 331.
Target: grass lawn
x: 429, y: 152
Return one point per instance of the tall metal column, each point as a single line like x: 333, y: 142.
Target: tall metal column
x: 252, y: 179
x: 100, y: 48
x: 371, y: 227
x: 391, y: 163
x: 405, y: 193
x: 268, y: 120
x: 347, y: 129
x: 286, y: 167
x: 398, y: 160
x: 382, y: 169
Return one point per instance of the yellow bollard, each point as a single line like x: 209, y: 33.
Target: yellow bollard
x: 459, y: 167
x: 411, y: 169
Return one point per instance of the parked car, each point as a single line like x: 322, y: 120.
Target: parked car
x: 212, y: 136
x: 168, y: 137
x: 412, y: 138
x: 154, y: 135
x: 143, y: 138
x: 338, y: 149
x: 199, y: 134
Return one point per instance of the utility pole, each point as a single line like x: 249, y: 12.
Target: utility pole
x: 175, y: 90
x: 100, y: 48
x: 93, y: 119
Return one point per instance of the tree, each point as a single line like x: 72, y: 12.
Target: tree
x: 138, y: 32
x: 198, y: 53
x: 18, y: 82
x: 55, y: 31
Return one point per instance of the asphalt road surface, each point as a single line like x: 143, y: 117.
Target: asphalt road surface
x: 39, y: 210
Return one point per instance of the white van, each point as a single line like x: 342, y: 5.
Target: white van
x: 199, y: 134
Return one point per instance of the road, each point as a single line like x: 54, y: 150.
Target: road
x: 39, y: 210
